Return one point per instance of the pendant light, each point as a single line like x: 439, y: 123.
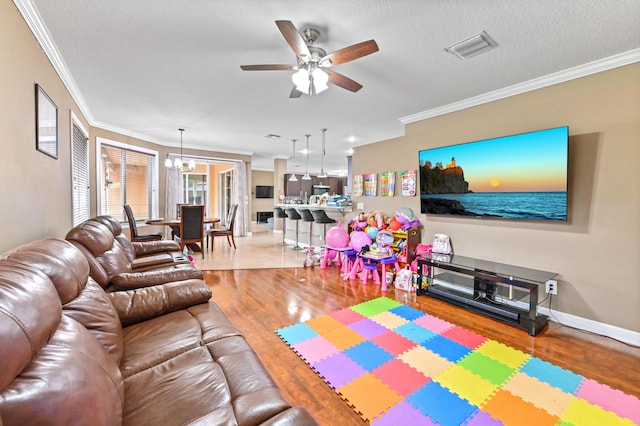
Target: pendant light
x: 322, y: 174
x: 293, y: 177
x: 177, y: 162
x: 306, y: 167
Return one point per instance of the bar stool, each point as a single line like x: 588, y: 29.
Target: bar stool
x: 307, y: 217
x: 278, y: 213
x: 320, y: 216
x: 292, y: 214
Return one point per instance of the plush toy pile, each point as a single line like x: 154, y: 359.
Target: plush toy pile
x: 371, y: 233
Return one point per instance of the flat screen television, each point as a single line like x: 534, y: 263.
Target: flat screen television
x: 521, y: 176
x: 264, y: 191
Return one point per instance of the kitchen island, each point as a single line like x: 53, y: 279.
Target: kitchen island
x: 316, y: 238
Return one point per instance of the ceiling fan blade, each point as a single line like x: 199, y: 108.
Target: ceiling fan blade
x: 295, y: 40
x: 342, y: 81
x: 350, y: 53
x: 295, y: 93
x: 273, y: 67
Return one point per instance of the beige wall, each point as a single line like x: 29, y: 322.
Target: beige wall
x: 35, y: 189
x: 260, y: 177
x: 597, y: 251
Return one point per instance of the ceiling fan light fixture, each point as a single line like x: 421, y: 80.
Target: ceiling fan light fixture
x: 301, y: 80
x: 472, y: 46
x: 320, y: 80
x: 310, y: 83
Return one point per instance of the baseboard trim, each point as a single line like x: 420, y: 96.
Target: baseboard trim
x: 622, y: 334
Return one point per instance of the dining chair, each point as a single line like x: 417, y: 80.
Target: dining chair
x: 175, y: 231
x: 135, y: 236
x: 192, y: 227
x: 228, y: 229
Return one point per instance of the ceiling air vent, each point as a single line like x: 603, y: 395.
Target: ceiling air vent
x: 472, y: 46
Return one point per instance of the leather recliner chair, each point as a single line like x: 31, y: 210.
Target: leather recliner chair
x: 166, y: 354
x: 111, y: 263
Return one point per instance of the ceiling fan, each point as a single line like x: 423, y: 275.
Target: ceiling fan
x: 313, y: 67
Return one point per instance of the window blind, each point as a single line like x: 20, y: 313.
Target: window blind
x: 80, y: 175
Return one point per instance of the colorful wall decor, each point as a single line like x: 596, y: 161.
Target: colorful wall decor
x: 408, y: 183
x: 357, y: 186
x: 370, y: 184
x: 387, y: 184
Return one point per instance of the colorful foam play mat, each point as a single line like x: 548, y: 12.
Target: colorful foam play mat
x: 396, y: 365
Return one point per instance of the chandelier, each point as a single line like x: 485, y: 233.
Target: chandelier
x: 178, y: 163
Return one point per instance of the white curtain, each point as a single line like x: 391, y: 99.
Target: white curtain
x: 240, y: 197
x: 173, y: 190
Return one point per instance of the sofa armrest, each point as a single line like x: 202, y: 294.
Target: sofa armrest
x: 143, y: 248
x: 133, y: 280
x: 156, y: 260
x: 142, y: 304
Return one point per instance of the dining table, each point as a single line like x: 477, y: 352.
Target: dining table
x: 174, y: 224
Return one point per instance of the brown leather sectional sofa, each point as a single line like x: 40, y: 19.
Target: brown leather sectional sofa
x: 160, y: 354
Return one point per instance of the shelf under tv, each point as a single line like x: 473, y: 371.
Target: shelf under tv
x: 496, y: 290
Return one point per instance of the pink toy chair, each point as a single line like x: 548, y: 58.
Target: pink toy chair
x: 391, y: 260
x: 370, y: 267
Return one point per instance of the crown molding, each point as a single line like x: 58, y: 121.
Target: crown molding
x: 34, y: 21
x: 584, y: 70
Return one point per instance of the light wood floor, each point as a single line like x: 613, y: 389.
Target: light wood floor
x: 280, y: 292
x: 262, y: 249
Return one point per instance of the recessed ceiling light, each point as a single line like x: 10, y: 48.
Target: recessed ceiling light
x: 472, y: 46
x: 272, y: 136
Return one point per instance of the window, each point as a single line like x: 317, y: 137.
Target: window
x: 79, y: 171
x: 194, y: 188
x: 127, y: 175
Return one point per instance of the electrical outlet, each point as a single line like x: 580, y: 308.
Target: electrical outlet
x: 552, y: 287
x: 360, y: 206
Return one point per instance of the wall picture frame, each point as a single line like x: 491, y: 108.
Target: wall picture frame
x: 46, y: 123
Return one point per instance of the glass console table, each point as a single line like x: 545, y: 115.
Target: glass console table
x: 497, y: 290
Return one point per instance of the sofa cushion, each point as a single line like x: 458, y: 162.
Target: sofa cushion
x: 59, y: 260
x: 195, y: 355
x: 81, y: 297
x: 54, y: 371
x: 153, y: 342
x: 93, y: 239
x: 141, y: 304
x: 142, y: 254
x: 151, y: 277
x: 71, y: 380
x: 29, y: 313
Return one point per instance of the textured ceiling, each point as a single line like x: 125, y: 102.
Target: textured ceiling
x: 148, y: 67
